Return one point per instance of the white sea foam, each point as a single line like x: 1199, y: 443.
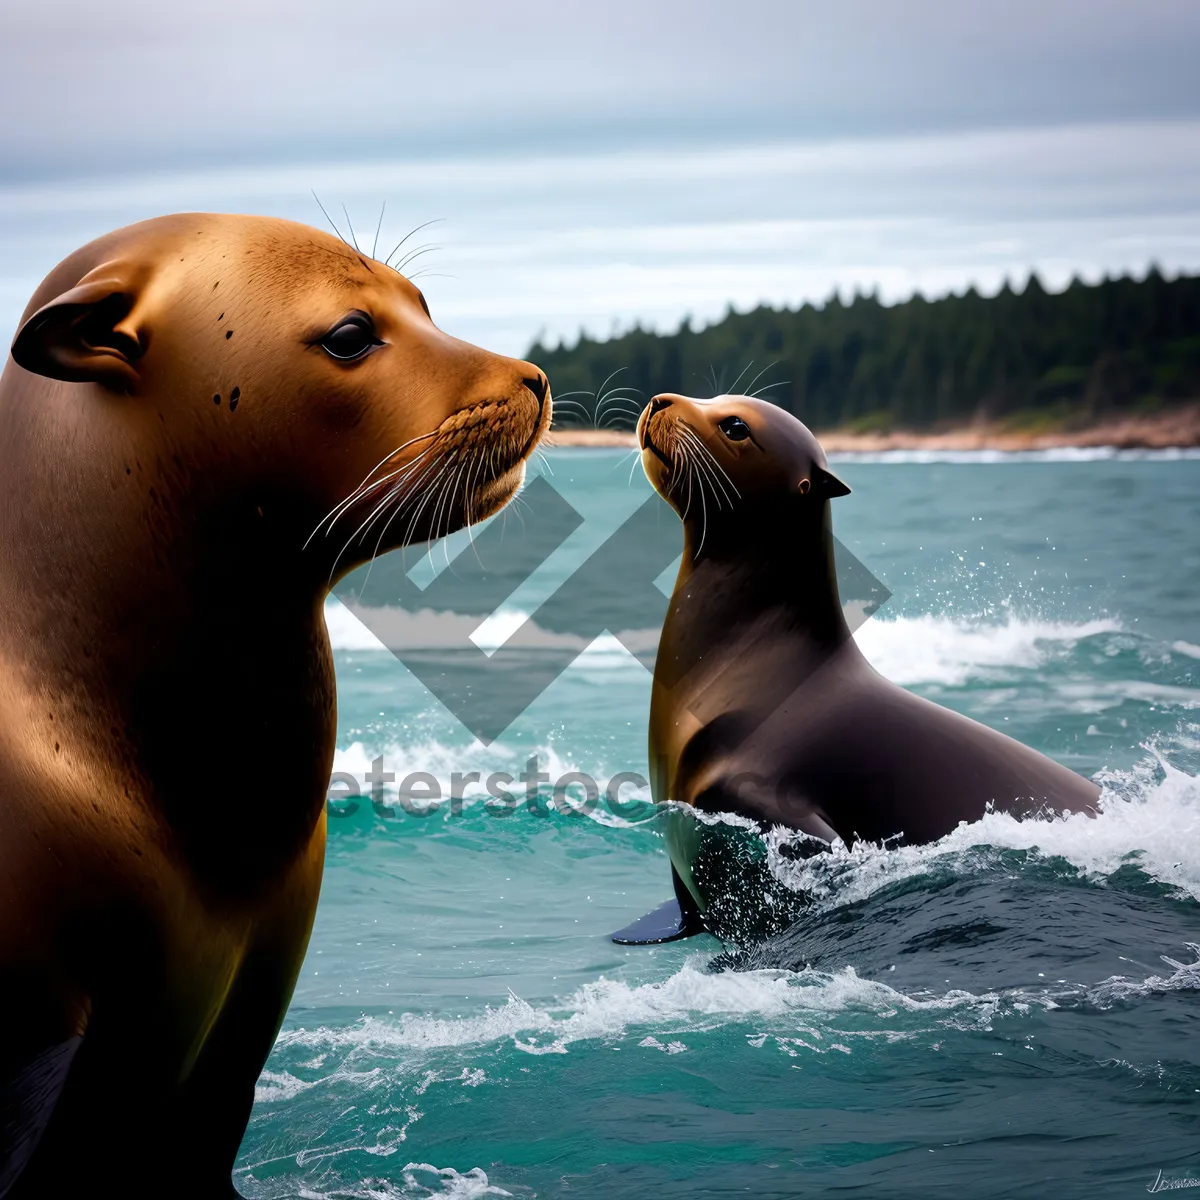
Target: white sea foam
x: 419, y: 1181
x: 1149, y: 817
x: 816, y: 1011
x: 950, y: 651
x: 278, y: 1085
x: 690, y: 1000
x: 447, y: 1182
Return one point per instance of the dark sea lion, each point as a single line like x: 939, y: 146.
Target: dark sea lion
x: 762, y: 704
x: 206, y: 420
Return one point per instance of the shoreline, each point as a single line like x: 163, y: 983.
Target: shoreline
x: 1174, y: 428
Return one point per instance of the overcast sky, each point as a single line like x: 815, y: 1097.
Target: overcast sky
x: 607, y: 162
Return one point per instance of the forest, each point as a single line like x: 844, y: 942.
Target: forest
x: 1020, y: 357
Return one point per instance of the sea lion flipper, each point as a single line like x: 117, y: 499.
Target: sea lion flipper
x: 678, y: 918
x: 27, y: 1100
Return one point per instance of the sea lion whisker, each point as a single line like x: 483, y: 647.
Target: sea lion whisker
x: 704, y: 474
x: 624, y: 402
x: 750, y: 385
x: 418, y: 487
x: 703, y: 458
x: 432, y: 491
x: 619, y: 393
x: 378, y: 227
x: 686, y: 474
x: 363, y: 491
x: 413, y: 255
x: 409, y: 487
x: 474, y: 472
x: 717, y: 471
x: 427, y: 492
x: 387, y: 457
x: 407, y: 477
x: 630, y: 414
x: 476, y: 464
x: 387, y: 262
x: 733, y: 387
x: 355, y: 535
x: 332, y: 224
x: 703, y: 514
x: 766, y: 387
x: 610, y: 378
x: 574, y: 405
x: 350, y: 226
x: 703, y: 478
x: 613, y: 420
x: 365, y: 486
x: 450, y: 493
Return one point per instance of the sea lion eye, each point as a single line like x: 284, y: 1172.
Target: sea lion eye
x: 734, y: 428
x: 351, y: 338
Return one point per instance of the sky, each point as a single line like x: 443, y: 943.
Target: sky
x: 596, y: 165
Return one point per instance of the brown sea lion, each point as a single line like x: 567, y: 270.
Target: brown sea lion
x: 205, y: 421
x: 762, y: 703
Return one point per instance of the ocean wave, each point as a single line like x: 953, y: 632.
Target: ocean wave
x: 817, y: 1010
x: 951, y: 651
x: 691, y: 1000
x: 1149, y: 818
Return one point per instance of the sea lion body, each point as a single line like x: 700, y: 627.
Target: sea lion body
x: 762, y: 703
x: 205, y: 422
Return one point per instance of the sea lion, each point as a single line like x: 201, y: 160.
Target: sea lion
x: 762, y: 704
x: 205, y: 421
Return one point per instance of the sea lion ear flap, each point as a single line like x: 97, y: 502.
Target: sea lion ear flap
x: 827, y: 484
x: 86, y: 335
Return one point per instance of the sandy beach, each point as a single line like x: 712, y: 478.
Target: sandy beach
x: 1173, y: 427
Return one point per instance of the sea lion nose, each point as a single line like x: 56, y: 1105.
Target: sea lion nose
x: 537, y: 385
x: 657, y: 404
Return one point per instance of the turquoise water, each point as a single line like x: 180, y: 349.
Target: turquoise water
x: 1011, y: 1012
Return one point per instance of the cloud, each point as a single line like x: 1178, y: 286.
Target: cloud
x: 632, y: 234
x: 93, y: 89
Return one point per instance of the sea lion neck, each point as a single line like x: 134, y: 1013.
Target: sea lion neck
x: 776, y: 564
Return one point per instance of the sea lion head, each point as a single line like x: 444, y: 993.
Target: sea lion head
x: 268, y: 369
x: 719, y: 459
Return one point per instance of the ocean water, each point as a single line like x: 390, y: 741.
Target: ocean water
x: 1014, y: 1011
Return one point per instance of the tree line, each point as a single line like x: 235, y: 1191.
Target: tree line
x: 1120, y: 345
